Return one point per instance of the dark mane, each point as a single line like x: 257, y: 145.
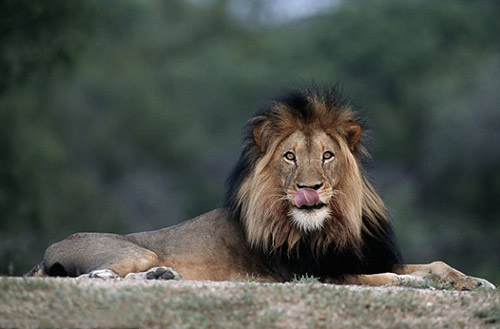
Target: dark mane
x: 378, y: 251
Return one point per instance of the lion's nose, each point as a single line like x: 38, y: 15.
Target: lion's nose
x: 313, y: 186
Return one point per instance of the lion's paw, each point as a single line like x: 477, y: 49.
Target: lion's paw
x: 162, y: 273
x: 443, y: 274
x: 100, y: 274
x: 472, y: 283
x: 155, y: 273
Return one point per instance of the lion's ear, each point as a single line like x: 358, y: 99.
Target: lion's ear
x: 258, y: 137
x: 353, y: 135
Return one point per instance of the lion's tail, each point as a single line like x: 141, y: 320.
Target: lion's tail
x: 38, y: 270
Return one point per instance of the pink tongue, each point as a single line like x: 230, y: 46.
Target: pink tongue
x: 306, y: 197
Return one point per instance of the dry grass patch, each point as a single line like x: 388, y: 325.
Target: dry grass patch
x: 36, y: 302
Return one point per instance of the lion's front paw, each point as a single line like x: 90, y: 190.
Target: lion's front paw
x: 100, y: 274
x: 162, y: 273
x: 156, y: 273
x: 472, y: 283
x: 444, y: 274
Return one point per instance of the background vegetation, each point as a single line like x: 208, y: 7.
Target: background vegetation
x: 121, y: 116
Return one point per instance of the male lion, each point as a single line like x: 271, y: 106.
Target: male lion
x: 297, y: 204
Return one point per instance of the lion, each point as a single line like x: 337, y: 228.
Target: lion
x: 297, y: 203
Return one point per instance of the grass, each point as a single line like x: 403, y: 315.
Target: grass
x: 305, y: 279
x: 44, y: 302
x: 489, y: 313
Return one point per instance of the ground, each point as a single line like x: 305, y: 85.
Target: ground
x: 96, y: 303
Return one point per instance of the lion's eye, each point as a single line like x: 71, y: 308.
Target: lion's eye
x: 327, y: 155
x: 289, y: 156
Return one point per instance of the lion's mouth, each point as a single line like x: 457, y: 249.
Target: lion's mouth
x: 311, y: 208
x: 307, y: 199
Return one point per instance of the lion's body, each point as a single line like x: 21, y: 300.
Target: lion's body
x: 208, y: 247
x: 297, y: 203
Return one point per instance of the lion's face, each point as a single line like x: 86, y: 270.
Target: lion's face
x: 299, y: 178
x: 308, y: 172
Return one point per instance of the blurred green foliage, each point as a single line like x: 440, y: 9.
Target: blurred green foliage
x: 122, y: 116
